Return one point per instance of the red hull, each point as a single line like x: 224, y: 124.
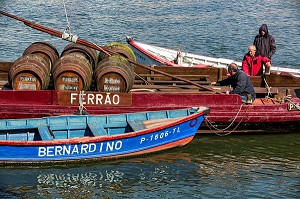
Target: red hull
x: 223, y: 108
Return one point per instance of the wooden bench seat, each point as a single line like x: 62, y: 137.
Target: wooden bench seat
x: 171, y: 82
x: 96, y: 129
x: 136, y: 125
x: 260, y: 90
x: 45, y: 132
x: 181, y: 75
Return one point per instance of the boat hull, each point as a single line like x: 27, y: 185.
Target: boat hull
x: 224, y: 109
x: 175, y: 133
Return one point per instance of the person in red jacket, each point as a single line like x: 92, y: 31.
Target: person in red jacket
x: 252, y: 63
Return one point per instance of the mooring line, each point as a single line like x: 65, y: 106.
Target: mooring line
x: 232, y: 122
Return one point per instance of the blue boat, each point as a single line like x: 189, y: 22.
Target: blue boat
x: 89, y: 137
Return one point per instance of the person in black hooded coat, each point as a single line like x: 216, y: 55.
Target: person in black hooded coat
x: 264, y: 42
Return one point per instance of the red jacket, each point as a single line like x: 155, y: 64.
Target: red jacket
x: 254, y: 65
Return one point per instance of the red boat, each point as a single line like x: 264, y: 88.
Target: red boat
x: 279, y: 111
x: 227, y: 113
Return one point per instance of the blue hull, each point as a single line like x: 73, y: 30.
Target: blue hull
x: 173, y: 134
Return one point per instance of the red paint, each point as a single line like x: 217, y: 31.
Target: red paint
x: 223, y: 108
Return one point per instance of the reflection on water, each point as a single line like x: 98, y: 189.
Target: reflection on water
x: 252, y: 165
x: 233, y: 166
x: 131, y: 177
x: 84, y: 184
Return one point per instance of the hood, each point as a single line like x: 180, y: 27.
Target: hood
x: 264, y: 27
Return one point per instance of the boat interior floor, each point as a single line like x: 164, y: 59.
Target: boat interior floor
x: 265, y: 101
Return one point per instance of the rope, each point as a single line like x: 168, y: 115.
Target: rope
x: 68, y: 28
x: 210, y: 125
x: 67, y: 35
x: 225, y: 134
x: 81, y: 107
x: 268, y: 88
x: 229, y: 124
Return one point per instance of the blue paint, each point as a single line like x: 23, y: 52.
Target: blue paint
x: 90, y: 146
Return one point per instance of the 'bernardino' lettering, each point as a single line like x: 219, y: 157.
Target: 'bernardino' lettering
x: 66, y: 150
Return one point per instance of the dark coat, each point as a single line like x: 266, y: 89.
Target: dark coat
x: 265, y: 45
x: 240, y: 83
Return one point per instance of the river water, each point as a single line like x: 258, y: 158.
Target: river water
x: 234, y: 166
x: 264, y: 166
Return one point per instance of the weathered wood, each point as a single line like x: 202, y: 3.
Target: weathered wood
x: 96, y: 129
x: 259, y: 90
x: 136, y: 125
x: 172, y: 82
x: 170, y: 88
x: 183, y: 72
x: 5, y: 67
x: 194, y: 76
x: 157, y: 122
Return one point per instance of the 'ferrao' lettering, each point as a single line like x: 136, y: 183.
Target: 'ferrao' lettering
x: 95, y: 99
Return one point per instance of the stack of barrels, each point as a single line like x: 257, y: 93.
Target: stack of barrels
x: 76, y: 69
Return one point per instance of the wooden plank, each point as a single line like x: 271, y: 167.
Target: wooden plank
x: 170, y: 82
x: 136, y: 125
x: 45, y: 132
x: 158, y: 122
x: 168, y: 88
x: 5, y: 66
x: 260, y: 90
x: 96, y: 129
x: 183, y: 75
x: 214, y: 73
x: 3, y: 76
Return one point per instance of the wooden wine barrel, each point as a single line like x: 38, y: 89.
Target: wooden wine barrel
x: 89, y: 53
x: 72, y: 72
x: 30, y: 72
x: 44, y: 50
x: 114, y: 74
x: 121, y: 49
